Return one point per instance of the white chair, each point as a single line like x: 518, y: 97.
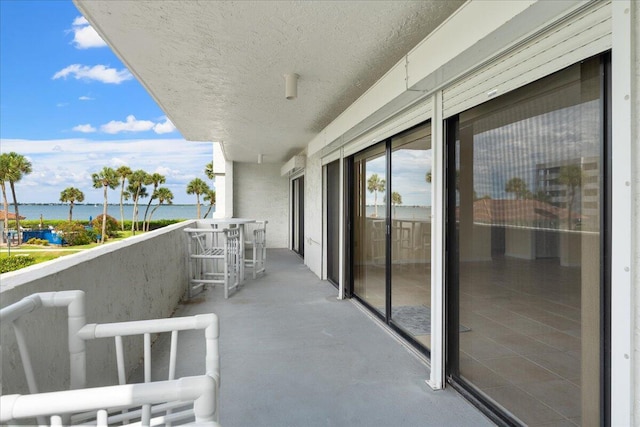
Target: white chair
x: 214, y: 256
x: 79, y: 333
x: 257, y: 242
x: 94, y: 404
x: 378, y: 241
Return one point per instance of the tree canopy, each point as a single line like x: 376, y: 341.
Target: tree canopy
x: 71, y: 195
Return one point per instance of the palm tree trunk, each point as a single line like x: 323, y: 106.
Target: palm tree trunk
x: 152, y: 212
x: 15, y: 204
x: 144, y: 221
x: 134, y: 223
x: 6, y: 205
x: 198, y: 206
x: 375, y: 203
x: 207, y: 212
x: 70, y: 211
x: 135, y: 217
x: 104, y: 216
x: 121, y: 207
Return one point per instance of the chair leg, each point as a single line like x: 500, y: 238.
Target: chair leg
x: 255, y: 261
x: 226, y: 279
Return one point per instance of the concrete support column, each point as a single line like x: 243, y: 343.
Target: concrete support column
x: 223, y: 171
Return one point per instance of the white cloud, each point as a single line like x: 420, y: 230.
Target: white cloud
x: 166, y: 127
x: 84, y: 36
x: 80, y: 20
x: 56, y: 148
x: 99, y: 73
x: 117, y: 162
x: 131, y: 125
x: 84, y: 128
x: 62, y: 104
x: 86, y: 98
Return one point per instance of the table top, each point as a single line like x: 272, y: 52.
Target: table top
x: 226, y: 221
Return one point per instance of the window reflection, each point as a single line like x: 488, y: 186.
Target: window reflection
x: 528, y: 212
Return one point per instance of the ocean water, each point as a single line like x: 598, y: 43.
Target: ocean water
x: 84, y: 212
x: 402, y: 212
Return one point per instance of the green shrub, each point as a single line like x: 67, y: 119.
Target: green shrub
x: 13, y: 263
x: 159, y: 223
x: 112, y: 225
x: 75, y: 234
x: 36, y: 241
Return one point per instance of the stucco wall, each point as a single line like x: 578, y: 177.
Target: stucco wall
x: 635, y: 112
x: 142, y: 277
x: 313, y: 232
x: 260, y: 192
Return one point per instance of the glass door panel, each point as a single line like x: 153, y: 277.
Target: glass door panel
x: 527, y: 238
x: 411, y: 157
x: 369, y: 227
x: 333, y: 222
x: 297, y: 216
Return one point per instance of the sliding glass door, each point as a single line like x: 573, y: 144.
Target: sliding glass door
x: 297, y: 215
x: 410, y: 199
x: 391, y: 222
x: 370, y: 227
x: 526, y: 191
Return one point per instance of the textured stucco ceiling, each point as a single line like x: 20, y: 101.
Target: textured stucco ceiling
x: 216, y: 68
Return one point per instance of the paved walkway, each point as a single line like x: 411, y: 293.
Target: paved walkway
x: 294, y: 355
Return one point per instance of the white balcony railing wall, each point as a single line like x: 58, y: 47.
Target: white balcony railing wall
x: 142, y: 277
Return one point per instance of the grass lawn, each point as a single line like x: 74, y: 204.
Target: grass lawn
x: 46, y: 253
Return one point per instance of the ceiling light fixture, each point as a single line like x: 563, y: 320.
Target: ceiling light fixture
x: 291, y: 86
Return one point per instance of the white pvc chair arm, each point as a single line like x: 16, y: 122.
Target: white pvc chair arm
x: 207, y: 322
x: 199, y: 389
x: 153, y: 326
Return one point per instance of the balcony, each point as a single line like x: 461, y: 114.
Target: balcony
x: 291, y: 352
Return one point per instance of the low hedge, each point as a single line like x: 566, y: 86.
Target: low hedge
x: 36, y: 241
x: 12, y: 263
x: 34, y: 224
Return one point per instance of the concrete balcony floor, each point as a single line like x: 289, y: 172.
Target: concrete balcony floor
x: 292, y: 354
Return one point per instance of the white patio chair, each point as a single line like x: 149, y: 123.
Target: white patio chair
x: 94, y: 404
x: 213, y: 258
x: 79, y: 333
x: 257, y: 242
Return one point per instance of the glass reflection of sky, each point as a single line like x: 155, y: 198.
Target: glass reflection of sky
x: 409, y: 170
x: 515, y: 150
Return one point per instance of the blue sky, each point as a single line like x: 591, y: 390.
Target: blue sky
x: 70, y: 106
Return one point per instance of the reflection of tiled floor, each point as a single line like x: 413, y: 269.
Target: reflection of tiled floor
x: 411, y: 286
x: 523, y: 349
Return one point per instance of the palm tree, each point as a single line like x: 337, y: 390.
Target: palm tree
x: 137, y: 193
x: 518, y: 186
x: 106, y: 178
x: 375, y: 184
x: 4, y: 177
x: 208, y: 171
x: 18, y: 166
x: 197, y: 187
x: 137, y: 182
x: 396, y: 199
x: 155, y: 179
x: 123, y: 173
x: 163, y: 195
x: 210, y: 196
x: 71, y: 195
x: 572, y: 177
